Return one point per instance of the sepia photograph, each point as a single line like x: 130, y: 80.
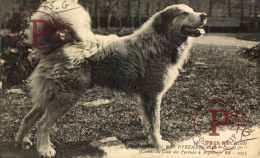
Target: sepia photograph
x: 130, y: 78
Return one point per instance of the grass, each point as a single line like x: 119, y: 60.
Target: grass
x: 214, y: 70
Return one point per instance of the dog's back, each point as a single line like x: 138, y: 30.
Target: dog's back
x: 132, y: 66
x: 145, y: 63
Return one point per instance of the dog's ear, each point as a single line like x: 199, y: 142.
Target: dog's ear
x: 163, y: 19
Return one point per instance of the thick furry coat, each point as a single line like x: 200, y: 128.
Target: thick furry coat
x: 119, y: 66
x: 145, y: 63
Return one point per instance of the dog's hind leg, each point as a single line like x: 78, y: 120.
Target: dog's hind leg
x: 143, y: 116
x: 51, y: 115
x: 22, y: 137
x: 150, y: 109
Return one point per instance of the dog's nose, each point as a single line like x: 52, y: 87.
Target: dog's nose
x: 203, y: 16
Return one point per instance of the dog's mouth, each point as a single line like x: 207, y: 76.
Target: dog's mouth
x: 192, y: 31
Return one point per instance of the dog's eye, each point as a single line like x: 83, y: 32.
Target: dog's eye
x: 184, y: 13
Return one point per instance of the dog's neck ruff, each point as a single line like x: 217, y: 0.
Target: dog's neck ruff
x: 157, y: 44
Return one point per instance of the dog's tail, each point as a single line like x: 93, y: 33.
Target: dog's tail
x: 52, y: 28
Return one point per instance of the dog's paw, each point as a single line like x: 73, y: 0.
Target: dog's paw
x: 48, y: 152
x: 163, y: 144
x: 26, y: 144
x: 157, y: 141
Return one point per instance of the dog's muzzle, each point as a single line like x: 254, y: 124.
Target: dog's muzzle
x: 192, y: 31
x: 195, y: 31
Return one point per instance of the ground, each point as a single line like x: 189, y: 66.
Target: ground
x: 215, y: 68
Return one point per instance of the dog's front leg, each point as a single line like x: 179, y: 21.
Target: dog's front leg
x: 51, y: 115
x: 22, y: 137
x: 149, y: 108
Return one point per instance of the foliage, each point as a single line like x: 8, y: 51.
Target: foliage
x: 253, y: 53
x: 14, y: 53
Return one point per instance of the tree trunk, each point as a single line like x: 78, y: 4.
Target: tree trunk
x: 92, y: 10
x: 148, y: 10
x: 210, y: 7
x: 132, y: 17
x: 198, y: 7
x: 242, y: 8
x: 128, y: 10
x: 24, y: 3
x: 229, y: 8
x: 138, y: 13
x: 250, y: 10
x: 132, y: 22
x: 109, y: 10
x: 97, y: 14
x: 109, y: 20
x: 159, y: 6
x: 119, y: 13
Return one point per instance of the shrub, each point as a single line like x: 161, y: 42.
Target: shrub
x: 253, y: 52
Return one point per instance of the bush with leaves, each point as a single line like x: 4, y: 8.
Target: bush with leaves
x: 14, y: 52
x: 253, y: 53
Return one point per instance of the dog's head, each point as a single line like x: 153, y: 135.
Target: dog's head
x: 180, y: 20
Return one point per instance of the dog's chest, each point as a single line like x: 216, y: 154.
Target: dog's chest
x: 171, y: 74
x: 173, y: 70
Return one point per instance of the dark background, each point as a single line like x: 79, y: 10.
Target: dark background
x: 224, y: 15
